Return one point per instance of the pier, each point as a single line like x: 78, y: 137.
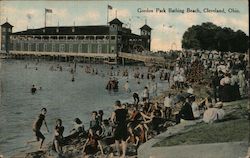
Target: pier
x: 60, y: 56
x: 147, y: 59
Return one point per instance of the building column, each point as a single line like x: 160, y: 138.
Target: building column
x: 123, y: 61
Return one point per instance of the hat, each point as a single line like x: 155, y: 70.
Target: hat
x: 218, y: 105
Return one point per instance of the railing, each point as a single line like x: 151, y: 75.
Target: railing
x: 141, y: 57
x: 64, y: 54
x: 64, y: 40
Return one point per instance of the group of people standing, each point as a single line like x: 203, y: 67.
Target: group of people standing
x: 229, y: 86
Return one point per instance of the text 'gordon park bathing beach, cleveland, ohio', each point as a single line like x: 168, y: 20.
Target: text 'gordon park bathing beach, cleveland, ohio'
x: 188, y: 10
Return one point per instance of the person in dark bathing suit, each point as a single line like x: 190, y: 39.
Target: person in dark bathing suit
x: 58, y: 138
x: 38, y: 124
x: 33, y: 89
x: 118, y: 118
x: 136, y: 98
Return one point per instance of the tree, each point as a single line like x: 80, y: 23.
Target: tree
x: 209, y: 36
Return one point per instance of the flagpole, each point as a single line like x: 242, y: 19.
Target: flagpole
x: 45, y: 17
x: 107, y: 14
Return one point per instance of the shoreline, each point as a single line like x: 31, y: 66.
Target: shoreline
x: 154, y: 99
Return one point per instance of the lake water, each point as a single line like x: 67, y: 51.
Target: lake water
x: 62, y: 98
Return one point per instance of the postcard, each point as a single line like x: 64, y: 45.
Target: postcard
x: 146, y: 79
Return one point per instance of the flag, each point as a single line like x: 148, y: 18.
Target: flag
x: 48, y: 10
x: 110, y: 7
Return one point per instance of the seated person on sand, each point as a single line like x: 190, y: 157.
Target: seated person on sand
x: 136, y: 122
x: 107, y: 133
x: 155, y: 120
x: 211, y: 114
x: 58, y: 136
x: 94, y: 122
x: 143, y: 133
x: 186, y: 112
x: 77, y: 132
x: 195, y: 107
x: 133, y: 137
x: 78, y: 129
x: 220, y: 111
x: 92, y: 143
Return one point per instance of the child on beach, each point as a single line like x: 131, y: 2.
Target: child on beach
x: 58, y: 137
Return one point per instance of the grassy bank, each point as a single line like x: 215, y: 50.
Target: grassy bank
x: 234, y: 127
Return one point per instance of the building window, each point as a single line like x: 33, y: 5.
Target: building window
x: 45, y: 47
x: 22, y: 44
x: 71, y: 48
x: 62, y: 38
x: 112, y: 49
x: 37, y: 47
x: 79, y: 48
x: 71, y: 38
x: 14, y: 46
x: 4, y: 29
x: 113, y: 27
x: 112, y: 37
x: 53, y: 37
x: 62, y: 48
x: 99, y: 49
x: 53, y: 47
x: 107, y: 48
x: 80, y: 38
x: 89, y: 48
x: 29, y: 47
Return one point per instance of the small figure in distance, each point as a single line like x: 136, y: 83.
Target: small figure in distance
x: 33, y: 89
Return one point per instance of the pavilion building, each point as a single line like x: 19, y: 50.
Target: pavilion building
x: 95, y: 39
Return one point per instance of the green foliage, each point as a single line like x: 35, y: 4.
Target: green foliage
x: 209, y: 36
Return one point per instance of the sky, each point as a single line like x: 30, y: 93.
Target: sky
x: 168, y: 28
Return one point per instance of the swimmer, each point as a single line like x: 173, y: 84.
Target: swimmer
x: 33, y: 89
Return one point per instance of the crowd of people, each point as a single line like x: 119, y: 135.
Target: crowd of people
x: 132, y: 124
